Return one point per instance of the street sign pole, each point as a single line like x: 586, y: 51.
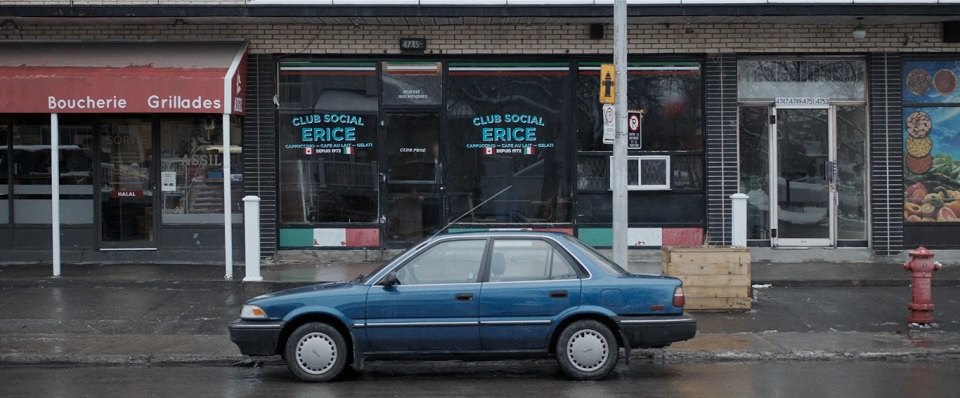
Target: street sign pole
x: 619, y: 167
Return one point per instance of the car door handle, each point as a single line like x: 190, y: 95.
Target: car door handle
x: 463, y: 296
x: 558, y: 294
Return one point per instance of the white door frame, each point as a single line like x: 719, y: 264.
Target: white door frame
x: 784, y: 104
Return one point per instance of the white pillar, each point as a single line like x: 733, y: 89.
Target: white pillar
x: 739, y: 220
x: 227, y: 209
x: 55, y: 190
x: 618, y: 176
x: 251, y: 238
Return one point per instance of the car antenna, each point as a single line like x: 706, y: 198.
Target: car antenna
x: 470, y: 211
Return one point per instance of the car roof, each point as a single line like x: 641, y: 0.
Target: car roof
x: 495, y: 234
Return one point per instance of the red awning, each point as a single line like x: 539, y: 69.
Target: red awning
x: 42, y: 77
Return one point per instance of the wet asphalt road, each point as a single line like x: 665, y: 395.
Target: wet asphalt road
x: 206, y: 309
x: 502, y: 379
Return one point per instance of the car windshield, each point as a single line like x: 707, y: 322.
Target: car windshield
x: 609, y: 266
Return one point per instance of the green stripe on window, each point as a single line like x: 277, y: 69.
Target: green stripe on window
x: 643, y: 64
x: 327, y: 64
x: 462, y: 230
x: 508, y: 64
x: 299, y: 237
x: 595, y: 237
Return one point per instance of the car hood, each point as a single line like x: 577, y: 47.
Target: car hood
x: 304, y: 289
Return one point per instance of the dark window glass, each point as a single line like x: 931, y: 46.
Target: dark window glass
x: 653, y: 171
x: 127, y: 183
x: 654, y: 208
x: 687, y: 172
x: 670, y: 96
x: 30, y: 164
x: 593, y: 173
x: 328, y: 143
x: 505, y: 134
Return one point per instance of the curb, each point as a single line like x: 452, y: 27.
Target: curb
x: 851, y: 282
x: 118, y: 359
x: 649, y: 355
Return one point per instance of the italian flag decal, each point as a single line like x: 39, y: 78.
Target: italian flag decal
x: 346, y: 237
x: 528, y: 150
x: 348, y: 150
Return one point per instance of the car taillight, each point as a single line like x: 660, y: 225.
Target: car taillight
x: 678, y: 300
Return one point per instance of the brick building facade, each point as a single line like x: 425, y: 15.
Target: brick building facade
x: 720, y: 85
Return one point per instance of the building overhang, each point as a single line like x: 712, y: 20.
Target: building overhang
x: 122, y: 77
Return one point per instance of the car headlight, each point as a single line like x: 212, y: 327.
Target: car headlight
x: 252, y: 312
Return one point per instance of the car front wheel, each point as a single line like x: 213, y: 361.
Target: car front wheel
x: 587, y: 350
x: 316, y: 352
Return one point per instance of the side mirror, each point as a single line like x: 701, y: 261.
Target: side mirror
x: 390, y: 280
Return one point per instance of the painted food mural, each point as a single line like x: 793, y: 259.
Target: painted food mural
x: 932, y: 164
x: 931, y: 134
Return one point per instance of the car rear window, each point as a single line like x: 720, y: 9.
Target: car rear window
x: 609, y: 266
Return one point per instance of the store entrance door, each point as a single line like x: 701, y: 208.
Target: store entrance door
x: 127, y: 185
x: 803, y: 160
x: 411, y: 177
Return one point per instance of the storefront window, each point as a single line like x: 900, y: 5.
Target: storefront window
x: 803, y: 131
x: 412, y: 83
x: 838, y: 80
x: 669, y: 94
x: 851, y: 172
x: 754, y: 147
x: 507, y: 143
x: 191, y: 171
x: 931, y: 116
x: 30, y: 164
x: 669, y: 163
x: 328, y: 143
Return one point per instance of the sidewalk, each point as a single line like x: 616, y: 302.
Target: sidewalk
x: 150, y: 314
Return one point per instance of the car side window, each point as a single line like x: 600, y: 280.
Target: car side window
x: 515, y: 260
x: 446, y: 262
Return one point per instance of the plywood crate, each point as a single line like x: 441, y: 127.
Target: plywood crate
x: 714, y: 278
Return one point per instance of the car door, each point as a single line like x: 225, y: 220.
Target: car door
x: 530, y: 282
x: 433, y: 306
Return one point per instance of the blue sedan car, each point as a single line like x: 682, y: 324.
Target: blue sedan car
x: 490, y: 294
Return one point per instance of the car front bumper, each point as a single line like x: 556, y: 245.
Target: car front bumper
x: 256, y: 338
x: 657, y: 331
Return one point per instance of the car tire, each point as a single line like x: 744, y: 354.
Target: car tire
x: 587, y: 350
x: 316, y: 352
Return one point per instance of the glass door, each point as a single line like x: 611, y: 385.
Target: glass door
x: 127, y: 184
x: 803, y: 161
x: 412, y: 175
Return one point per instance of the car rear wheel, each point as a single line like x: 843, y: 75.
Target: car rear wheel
x: 316, y: 352
x: 587, y: 350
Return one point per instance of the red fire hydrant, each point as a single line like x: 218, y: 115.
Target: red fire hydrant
x: 922, y: 266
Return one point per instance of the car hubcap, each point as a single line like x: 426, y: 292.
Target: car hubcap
x: 587, y: 350
x: 316, y: 353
